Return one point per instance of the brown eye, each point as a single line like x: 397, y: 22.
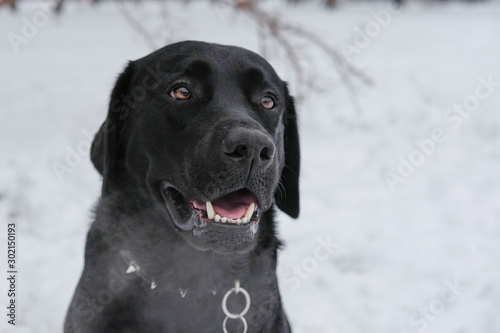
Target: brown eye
x: 180, y: 93
x: 267, y: 102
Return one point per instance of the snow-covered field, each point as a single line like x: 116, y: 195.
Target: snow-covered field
x: 422, y: 255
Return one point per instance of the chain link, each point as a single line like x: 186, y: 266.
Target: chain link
x: 237, y: 289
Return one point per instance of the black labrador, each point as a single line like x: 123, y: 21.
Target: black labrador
x: 200, y: 143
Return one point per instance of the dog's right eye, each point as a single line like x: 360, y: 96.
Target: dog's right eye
x: 180, y: 93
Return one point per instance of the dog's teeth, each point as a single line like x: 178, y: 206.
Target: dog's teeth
x: 217, y: 218
x: 244, y: 220
x: 223, y: 219
x: 210, y: 210
x: 230, y: 220
x: 238, y: 221
x: 249, y: 212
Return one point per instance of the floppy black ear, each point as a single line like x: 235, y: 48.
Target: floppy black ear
x: 107, y: 152
x: 287, y: 197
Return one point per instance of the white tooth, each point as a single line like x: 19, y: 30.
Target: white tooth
x: 238, y: 221
x: 230, y: 220
x: 249, y: 212
x: 210, y: 210
x: 244, y: 220
x: 132, y: 267
x: 217, y: 218
x: 223, y: 219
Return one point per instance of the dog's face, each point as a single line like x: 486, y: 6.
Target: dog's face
x: 207, y: 132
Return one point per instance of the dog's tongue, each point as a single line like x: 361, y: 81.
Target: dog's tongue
x: 230, y: 211
x: 233, y: 206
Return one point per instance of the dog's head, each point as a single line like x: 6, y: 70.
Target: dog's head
x: 209, y: 133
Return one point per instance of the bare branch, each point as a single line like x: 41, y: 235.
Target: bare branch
x: 284, y: 32
x: 332, y: 52
x: 270, y: 27
x: 136, y: 24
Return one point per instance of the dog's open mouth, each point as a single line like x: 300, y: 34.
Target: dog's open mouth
x: 238, y: 208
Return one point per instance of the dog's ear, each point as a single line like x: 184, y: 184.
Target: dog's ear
x: 287, y: 196
x: 107, y: 152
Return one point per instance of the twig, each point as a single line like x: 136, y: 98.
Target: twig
x: 136, y: 24
x: 294, y: 60
x: 333, y: 53
x: 166, y: 22
x: 281, y: 31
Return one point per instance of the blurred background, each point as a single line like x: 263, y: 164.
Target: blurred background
x: 399, y: 106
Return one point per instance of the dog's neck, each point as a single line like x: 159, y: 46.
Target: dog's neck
x: 134, y: 268
x: 156, y: 261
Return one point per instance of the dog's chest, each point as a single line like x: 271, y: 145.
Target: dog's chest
x: 186, y: 310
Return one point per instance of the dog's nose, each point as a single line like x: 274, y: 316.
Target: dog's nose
x: 249, y: 146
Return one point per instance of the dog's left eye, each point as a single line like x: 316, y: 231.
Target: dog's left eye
x: 267, y: 102
x: 180, y: 93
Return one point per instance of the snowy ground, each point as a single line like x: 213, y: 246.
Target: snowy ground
x: 421, y: 258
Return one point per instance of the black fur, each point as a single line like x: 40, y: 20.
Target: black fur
x: 156, y: 155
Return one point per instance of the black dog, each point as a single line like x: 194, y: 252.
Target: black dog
x: 199, y: 143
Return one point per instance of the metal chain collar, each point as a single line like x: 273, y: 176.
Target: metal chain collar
x: 237, y: 289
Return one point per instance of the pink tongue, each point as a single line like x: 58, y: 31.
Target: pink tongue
x: 232, y: 206
x: 230, y: 210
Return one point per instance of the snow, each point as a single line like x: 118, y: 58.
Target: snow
x: 391, y: 253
